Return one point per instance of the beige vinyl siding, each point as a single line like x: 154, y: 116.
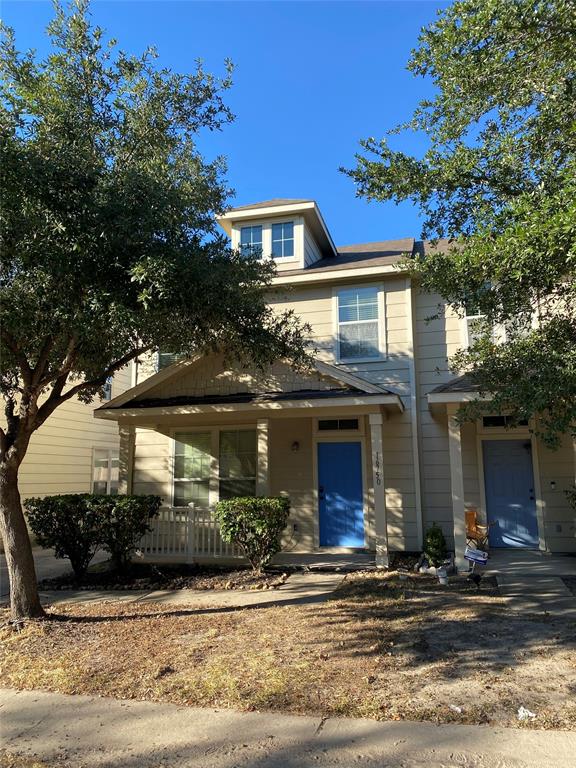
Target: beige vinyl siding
x: 559, y: 518
x: 311, y: 250
x: 435, y: 341
x: 291, y: 473
x: 60, y: 455
x: 315, y: 306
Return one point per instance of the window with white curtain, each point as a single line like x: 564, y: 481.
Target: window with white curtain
x: 359, y: 324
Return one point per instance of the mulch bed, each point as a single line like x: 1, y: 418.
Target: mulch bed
x: 150, y: 577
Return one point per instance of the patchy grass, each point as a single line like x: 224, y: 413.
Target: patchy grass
x: 10, y: 760
x: 381, y: 648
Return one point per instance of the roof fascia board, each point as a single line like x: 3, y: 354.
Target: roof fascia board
x: 273, y: 405
x: 440, y: 398
x: 349, y: 274
x: 347, y: 378
x: 152, y: 381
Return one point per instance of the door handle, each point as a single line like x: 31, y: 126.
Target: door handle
x: 531, y: 492
x: 321, y: 492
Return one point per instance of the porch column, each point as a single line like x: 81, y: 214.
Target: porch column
x: 380, y: 525
x: 262, y: 470
x: 126, y: 458
x: 457, y: 483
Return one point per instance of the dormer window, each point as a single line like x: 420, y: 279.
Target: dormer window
x: 251, y: 240
x: 283, y: 240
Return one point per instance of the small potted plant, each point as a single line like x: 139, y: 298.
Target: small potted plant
x: 435, y: 551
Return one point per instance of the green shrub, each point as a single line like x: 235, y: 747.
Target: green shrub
x: 435, y: 545
x: 77, y: 525
x: 125, y: 519
x: 255, y: 524
x: 68, y: 525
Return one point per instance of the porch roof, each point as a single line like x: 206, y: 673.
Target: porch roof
x: 251, y: 401
x: 458, y: 390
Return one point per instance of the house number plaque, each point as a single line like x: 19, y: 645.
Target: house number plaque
x: 377, y: 473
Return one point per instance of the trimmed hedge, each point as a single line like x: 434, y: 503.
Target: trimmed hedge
x: 77, y: 525
x: 255, y: 524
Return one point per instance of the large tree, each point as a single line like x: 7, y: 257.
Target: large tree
x: 498, y: 178
x: 108, y: 239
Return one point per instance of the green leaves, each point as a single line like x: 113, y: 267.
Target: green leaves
x: 107, y: 227
x: 498, y: 177
x: 255, y: 524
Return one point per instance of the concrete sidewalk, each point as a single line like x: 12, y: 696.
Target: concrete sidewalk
x: 100, y: 733
x: 300, y: 589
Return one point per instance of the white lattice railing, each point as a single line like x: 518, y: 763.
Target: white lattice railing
x: 186, y: 532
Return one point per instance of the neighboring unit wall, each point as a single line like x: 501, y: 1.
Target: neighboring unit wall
x: 557, y: 474
x: 60, y: 455
x: 435, y: 341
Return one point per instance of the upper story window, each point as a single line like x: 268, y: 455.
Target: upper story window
x: 167, y: 358
x: 359, y: 319
x: 251, y: 240
x: 283, y: 240
x: 107, y: 389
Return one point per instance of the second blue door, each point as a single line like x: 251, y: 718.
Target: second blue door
x: 510, y: 497
x: 340, y: 497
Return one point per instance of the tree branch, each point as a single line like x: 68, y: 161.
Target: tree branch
x: 56, y: 397
x: 25, y: 368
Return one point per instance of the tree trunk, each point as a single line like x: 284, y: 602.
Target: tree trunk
x: 24, y: 598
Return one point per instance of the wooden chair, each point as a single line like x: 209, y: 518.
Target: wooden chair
x: 476, y: 534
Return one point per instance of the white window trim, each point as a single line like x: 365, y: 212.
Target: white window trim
x: 327, y: 433
x: 266, y: 224
x: 381, y: 325
x: 112, y: 454
x: 214, y: 480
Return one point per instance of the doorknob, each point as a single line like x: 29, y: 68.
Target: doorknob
x: 321, y: 492
x: 531, y: 492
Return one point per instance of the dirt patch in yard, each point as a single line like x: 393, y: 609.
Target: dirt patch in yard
x: 149, y: 577
x: 10, y: 760
x: 381, y: 648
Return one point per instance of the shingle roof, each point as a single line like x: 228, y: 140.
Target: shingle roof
x: 460, y: 384
x: 378, y: 254
x: 248, y: 397
x: 271, y: 203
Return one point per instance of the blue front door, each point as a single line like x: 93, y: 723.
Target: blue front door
x: 510, y: 497
x: 341, y: 506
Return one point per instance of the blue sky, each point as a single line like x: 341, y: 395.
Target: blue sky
x: 311, y: 79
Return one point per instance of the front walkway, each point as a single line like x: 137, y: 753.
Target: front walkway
x: 300, y: 589
x: 101, y: 733
x: 531, y: 580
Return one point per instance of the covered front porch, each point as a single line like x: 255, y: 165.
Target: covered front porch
x: 322, y: 446
x: 505, y: 476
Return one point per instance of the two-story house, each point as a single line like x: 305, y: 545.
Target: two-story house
x: 367, y: 445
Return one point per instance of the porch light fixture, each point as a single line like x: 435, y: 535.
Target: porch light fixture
x: 295, y: 446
